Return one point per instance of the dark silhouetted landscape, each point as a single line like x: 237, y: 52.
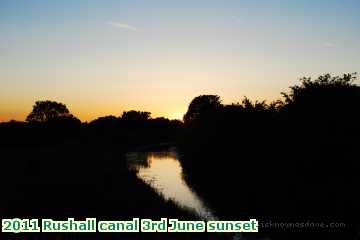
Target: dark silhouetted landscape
x: 296, y: 159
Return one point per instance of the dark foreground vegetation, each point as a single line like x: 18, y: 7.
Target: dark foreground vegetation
x: 54, y: 166
x: 293, y: 160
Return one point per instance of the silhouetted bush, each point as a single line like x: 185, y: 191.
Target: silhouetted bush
x: 292, y: 158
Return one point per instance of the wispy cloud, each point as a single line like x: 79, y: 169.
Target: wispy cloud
x: 122, y: 25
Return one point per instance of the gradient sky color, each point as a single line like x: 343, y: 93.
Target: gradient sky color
x: 103, y: 57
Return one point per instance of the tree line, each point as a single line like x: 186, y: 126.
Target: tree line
x: 291, y: 159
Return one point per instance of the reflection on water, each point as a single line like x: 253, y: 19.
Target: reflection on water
x: 163, y: 171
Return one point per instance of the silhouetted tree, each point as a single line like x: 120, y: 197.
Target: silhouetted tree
x: 201, y: 105
x: 316, y: 88
x: 248, y: 105
x: 135, y: 115
x: 44, y: 111
x: 327, y: 105
x: 105, y: 121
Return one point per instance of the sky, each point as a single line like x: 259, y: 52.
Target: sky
x: 105, y: 57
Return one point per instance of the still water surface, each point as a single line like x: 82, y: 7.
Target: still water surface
x: 163, y: 172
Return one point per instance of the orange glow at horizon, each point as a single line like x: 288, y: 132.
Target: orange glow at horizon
x: 92, y: 115
x: 127, y: 55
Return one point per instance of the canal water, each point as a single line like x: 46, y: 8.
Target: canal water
x: 162, y: 170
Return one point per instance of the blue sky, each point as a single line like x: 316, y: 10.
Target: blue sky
x: 104, y: 57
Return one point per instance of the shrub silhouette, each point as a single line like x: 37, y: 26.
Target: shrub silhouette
x: 201, y: 107
x: 135, y: 115
x: 327, y: 105
x: 301, y: 153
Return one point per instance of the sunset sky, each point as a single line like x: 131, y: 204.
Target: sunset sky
x: 103, y: 57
